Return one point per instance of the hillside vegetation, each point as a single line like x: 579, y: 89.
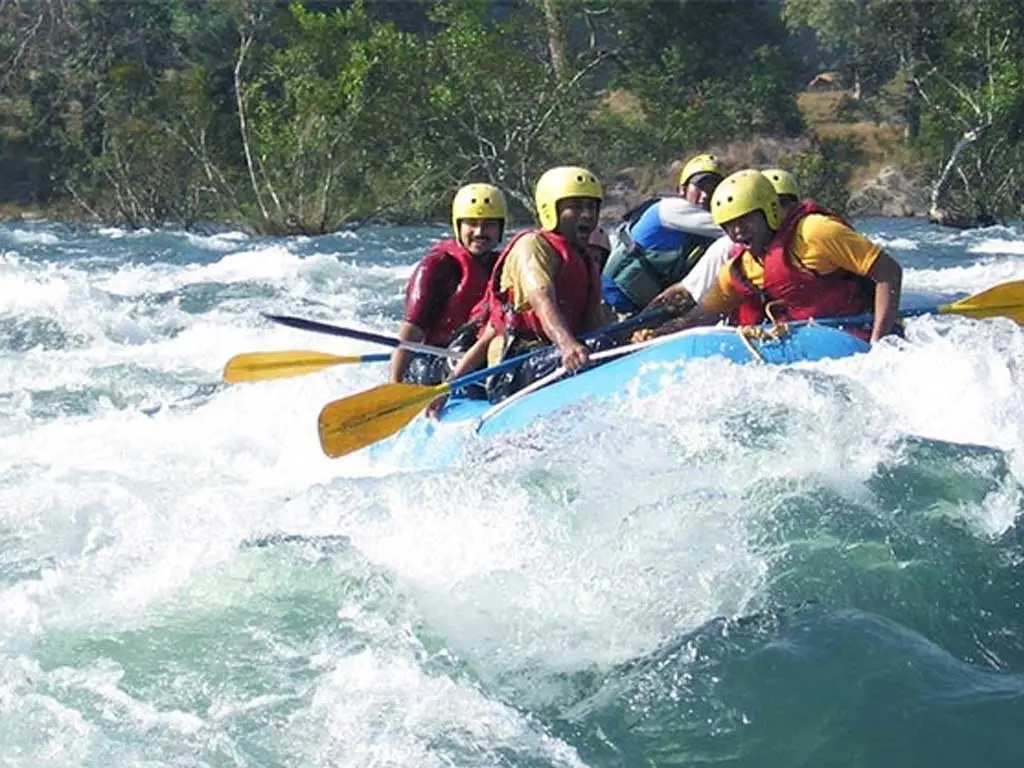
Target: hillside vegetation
x: 313, y: 116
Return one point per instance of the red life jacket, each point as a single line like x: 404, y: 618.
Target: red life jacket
x: 802, y: 293
x: 459, y: 307
x: 577, y: 291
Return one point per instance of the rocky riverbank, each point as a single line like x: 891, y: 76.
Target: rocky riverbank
x: 893, y: 192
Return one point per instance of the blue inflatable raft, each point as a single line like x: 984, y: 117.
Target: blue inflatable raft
x: 641, y: 372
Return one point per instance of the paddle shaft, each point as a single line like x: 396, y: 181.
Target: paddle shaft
x: 315, y: 326
x: 1002, y: 300
x: 641, y: 319
x: 867, y: 318
x: 472, y: 378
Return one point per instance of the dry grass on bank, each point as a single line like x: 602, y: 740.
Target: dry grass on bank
x: 881, y: 142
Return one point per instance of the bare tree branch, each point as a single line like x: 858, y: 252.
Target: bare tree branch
x: 940, y: 185
x: 247, y: 36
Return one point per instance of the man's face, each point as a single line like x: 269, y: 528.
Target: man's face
x: 750, y: 230
x: 788, y: 203
x: 577, y: 218
x: 700, y: 187
x: 479, y: 236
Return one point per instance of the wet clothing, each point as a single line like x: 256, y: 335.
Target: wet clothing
x: 660, y: 248
x: 429, y: 370
x: 536, y: 260
x: 444, y: 288
x: 507, y: 383
x: 815, y: 266
x: 531, y: 265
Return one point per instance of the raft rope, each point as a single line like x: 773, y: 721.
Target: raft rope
x: 751, y: 334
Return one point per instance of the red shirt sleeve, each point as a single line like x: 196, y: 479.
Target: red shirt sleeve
x: 432, y: 283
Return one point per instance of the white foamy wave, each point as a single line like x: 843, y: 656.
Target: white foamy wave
x: 1015, y: 247
x: 277, y: 265
x: 971, y: 278
x: 223, y: 241
x: 31, y: 237
x: 957, y: 380
x: 896, y: 243
x: 116, y: 233
x: 269, y: 264
x: 25, y: 286
x: 402, y: 272
x: 935, y: 239
x: 76, y: 311
x: 272, y: 263
x: 111, y: 525
x: 345, y: 711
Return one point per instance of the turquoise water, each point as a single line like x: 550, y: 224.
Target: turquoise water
x: 807, y: 566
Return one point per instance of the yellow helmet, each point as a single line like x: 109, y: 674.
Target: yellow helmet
x: 478, y: 201
x: 783, y: 181
x: 560, y: 184
x: 743, y: 192
x: 700, y: 164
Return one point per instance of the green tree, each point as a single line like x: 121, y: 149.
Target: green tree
x: 972, y: 90
x: 708, y: 71
x: 334, y: 121
x: 851, y: 34
x: 874, y: 41
x: 33, y: 108
x: 503, y: 112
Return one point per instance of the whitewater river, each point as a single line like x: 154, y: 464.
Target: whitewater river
x: 767, y: 567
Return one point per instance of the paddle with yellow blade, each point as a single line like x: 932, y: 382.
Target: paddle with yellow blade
x: 359, y: 420
x: 316, y: 326
x: 260, y: 366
